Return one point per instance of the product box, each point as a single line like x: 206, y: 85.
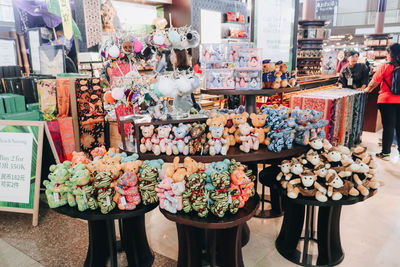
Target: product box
x: 249, y: 58
x: 233, y: 48
x: 212, y: 53
x: 248, y: 79
x: 219, y: 79
x: 23, y: 116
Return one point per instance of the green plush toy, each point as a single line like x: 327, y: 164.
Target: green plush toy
x: 81, y: 192
x: 104, y: 193
x: 56, y: 190
x: 195, y: 196
x: 220, y: 197
x: 147, y: 184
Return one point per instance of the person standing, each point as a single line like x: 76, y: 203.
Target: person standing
x: 388, y: 103
x: 354, y: 75
x: 341, y: 61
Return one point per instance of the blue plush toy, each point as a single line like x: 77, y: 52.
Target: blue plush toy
x: 130, y: 158
x: 155, y: 163
x: 281, y: 134
x: 215, y: 167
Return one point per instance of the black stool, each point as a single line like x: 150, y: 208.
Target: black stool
x: 267, y: 178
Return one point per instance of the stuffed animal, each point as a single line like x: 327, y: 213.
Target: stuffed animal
x: 98, y: 152
x: 292, y: 79
x: 218, y: 144
x: 258, y: 121
x: 337, y: 187
x: 240, y: 181
x: 311, y: 159
x: 155, y: 163
x: 79, y: 157
x: 284, y: 175
x: 194, y: 198
x: 254, y: 81
x: 359, y: 152
x: 276, y: 84
x: 284, y: 76
x: 319, y: 145
x: 127, y: 193
x: 237, y: 119
x: 192, y: 166
x: 334, y: 157
x: 215, y: 167
x: 220, y: 196
x: 268, y: 73
x: 85, y: 198
x: 56, y: 190
x: 248, y: 138
x: 163, y: 143
x: 215, y: 80
x: 146, y: 143
x: 105, y: 194
x: 198, y: 139
x: 321, y: 172
x: 307, y: 186
x: 242, y: 80
x: 361, y: 177
x: 147, y: 184
x: 181, y: 140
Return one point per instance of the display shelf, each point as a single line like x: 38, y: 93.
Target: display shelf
x: 235, y: 23
x: 309, y: 58
x: 260, y: 155
x: 310, y: 39
x: 235, y: 38
x: 263, y: 92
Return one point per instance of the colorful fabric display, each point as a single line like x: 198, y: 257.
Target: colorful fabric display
x: 67, y: 136
x: 54, y: 130
x: 89, y: 97
x: 63, y: 92
x: 343, y: 108
x: 47, y: 99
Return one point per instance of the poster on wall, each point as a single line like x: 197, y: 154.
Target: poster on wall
x: 21, y: 145
x: 274, y: 25
x: 329, y: 62
x: 8, y: 52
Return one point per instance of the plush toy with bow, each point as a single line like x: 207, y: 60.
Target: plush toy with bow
x: 248, y: 138
x: 56, y: 190
x: 181, y: 140
x: 241, y: 182
x: 195, y: 197
x: 148, y: 176
x: 105, y: 194
x: 198, y: 139
x: 127, y: 193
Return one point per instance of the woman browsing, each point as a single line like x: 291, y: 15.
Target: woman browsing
x: 354, y: 75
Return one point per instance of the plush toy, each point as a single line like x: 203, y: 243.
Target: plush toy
x: 155, y: 163
x: 337, y: 187
x: 105, y: 194
x: 359, y: 152
x: 240, y: 181
x: 319, y: 145
x: 268, y: 73
x: 276, y: 84
x: 98, y: 152
x: 198, y: 142
x: 292, y: 79
x: 56, y: 190
x: 181, y: 140
x: 311, y: 159
x: 321, y: 172
x: 127, y: 193
x: 254, y: 80
x: 195, y: 197
x: 85, y: 198
x: 284, y: 76
x: 307, y: 186
x: 258, y: 121
x: 146, y: 143
x: 361, y: 177
x: 242, y: 80
x: 192, y: 166
x: 218, y: 144
x: 220, y: 196
x: 334, y: 157
x: 79, y: 157
x: 170, y: 194
x: 215, y: 167
x: 237, y: 119
x: 147, y: 183
x: 284, y: 175
x: 163, y: 143
x: 280, y: 135
x: 248, y: 138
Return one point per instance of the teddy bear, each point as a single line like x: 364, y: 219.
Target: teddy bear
x: 276, y: 84
x: 248, y: 138
x: 155, y: 163
x: 321, y: 171
x: 215, y: 167
x: 79, y: 157
x: 181, y: 140
x: 195, y: 197
x: 148, y: 177
x: 85, y: 198
x: 311, y: 159
x: 237, y: 119
x: 170, y: 194
x: 56, y: 190
x: 98, y: 152
x: 127, y: 194
x: 162, y: 141
x: 268, y: 73
x: 192, y: 166
x: 307, y: 186
x: 220, y: 196
x: 337, y: 187
x: 258, y: 121
x: 105, y: 194
x: 292, y: 78
x: 241, y: 182
x: 284, y: 76
x: 359, y: 152
x: 198, y: 139
x: 284, y: 175
x: 217, y: 119
x: 218, y: 144
x: 146, y: 142
x: 361, y: 177
x: 319, y: 145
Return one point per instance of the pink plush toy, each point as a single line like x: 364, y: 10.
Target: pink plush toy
x: 170, y: 194
x: 127, y: 193
x: 163, y: 144
x: 146, y: 141
x: 248, y: 138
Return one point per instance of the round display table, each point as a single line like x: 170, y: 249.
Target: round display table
x: 223, y: 236
x: 325, y: 232
x: 250, y: 95
x: 102, y: 241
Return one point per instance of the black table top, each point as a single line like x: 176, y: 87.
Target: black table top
x: 96, y: 215
x: 213, y: 222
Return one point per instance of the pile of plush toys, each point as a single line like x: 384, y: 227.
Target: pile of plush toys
x: 105, y: 181
x: 275, y: 75
x: 218, y: 188
x: 275, y: 127
x: 109, y: 180
x: 329, y: 172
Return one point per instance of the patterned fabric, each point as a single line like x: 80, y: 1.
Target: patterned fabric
x: 344, y: 108
x: 54, y: 130
x: 67, y: 136
x: 47, y: 99
x: 89, y: 95
x: 63, y: 92
x: 92, y: 22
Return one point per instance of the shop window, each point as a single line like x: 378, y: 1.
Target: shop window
x: 6, y: 11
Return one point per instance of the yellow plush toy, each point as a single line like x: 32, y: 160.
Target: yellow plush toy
x: 258, y: 121
x: 237, y: 119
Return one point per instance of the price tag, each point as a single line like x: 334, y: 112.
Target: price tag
x: 84, y: 198
x: 350, y: 81
x: 108, y: 201
x: 123, y: 201
x: 229, y: 199
x: 56, y: 197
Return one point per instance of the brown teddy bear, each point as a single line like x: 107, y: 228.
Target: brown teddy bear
x: 258, y: 121
x: 268, y: 73
x: 198, y: 142
x: 307, y: 186
x: 337, y: 187
x: 285, y: 75
x: 234, y: 132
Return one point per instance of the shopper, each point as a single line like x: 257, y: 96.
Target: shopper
x: 354, y: 75
x: 388, y: 103
x: 341, y: 61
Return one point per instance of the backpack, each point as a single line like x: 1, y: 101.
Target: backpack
x: 395, y: 89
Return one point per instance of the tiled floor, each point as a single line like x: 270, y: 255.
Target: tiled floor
x: 370, y: 232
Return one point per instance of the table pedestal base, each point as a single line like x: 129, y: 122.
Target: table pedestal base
x: 103, y: 245
x: 327, y: 236
x: 227, y: 243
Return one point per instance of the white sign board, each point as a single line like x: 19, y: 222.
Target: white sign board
x: 8, y: 52
x: 15, y: 166
x: 274, y: 28
x: 210, y: 26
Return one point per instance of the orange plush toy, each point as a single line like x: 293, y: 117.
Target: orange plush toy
x: 234, y: 132
x: 79, y: 157
x: 240, y: 181
x: 258, y: 121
